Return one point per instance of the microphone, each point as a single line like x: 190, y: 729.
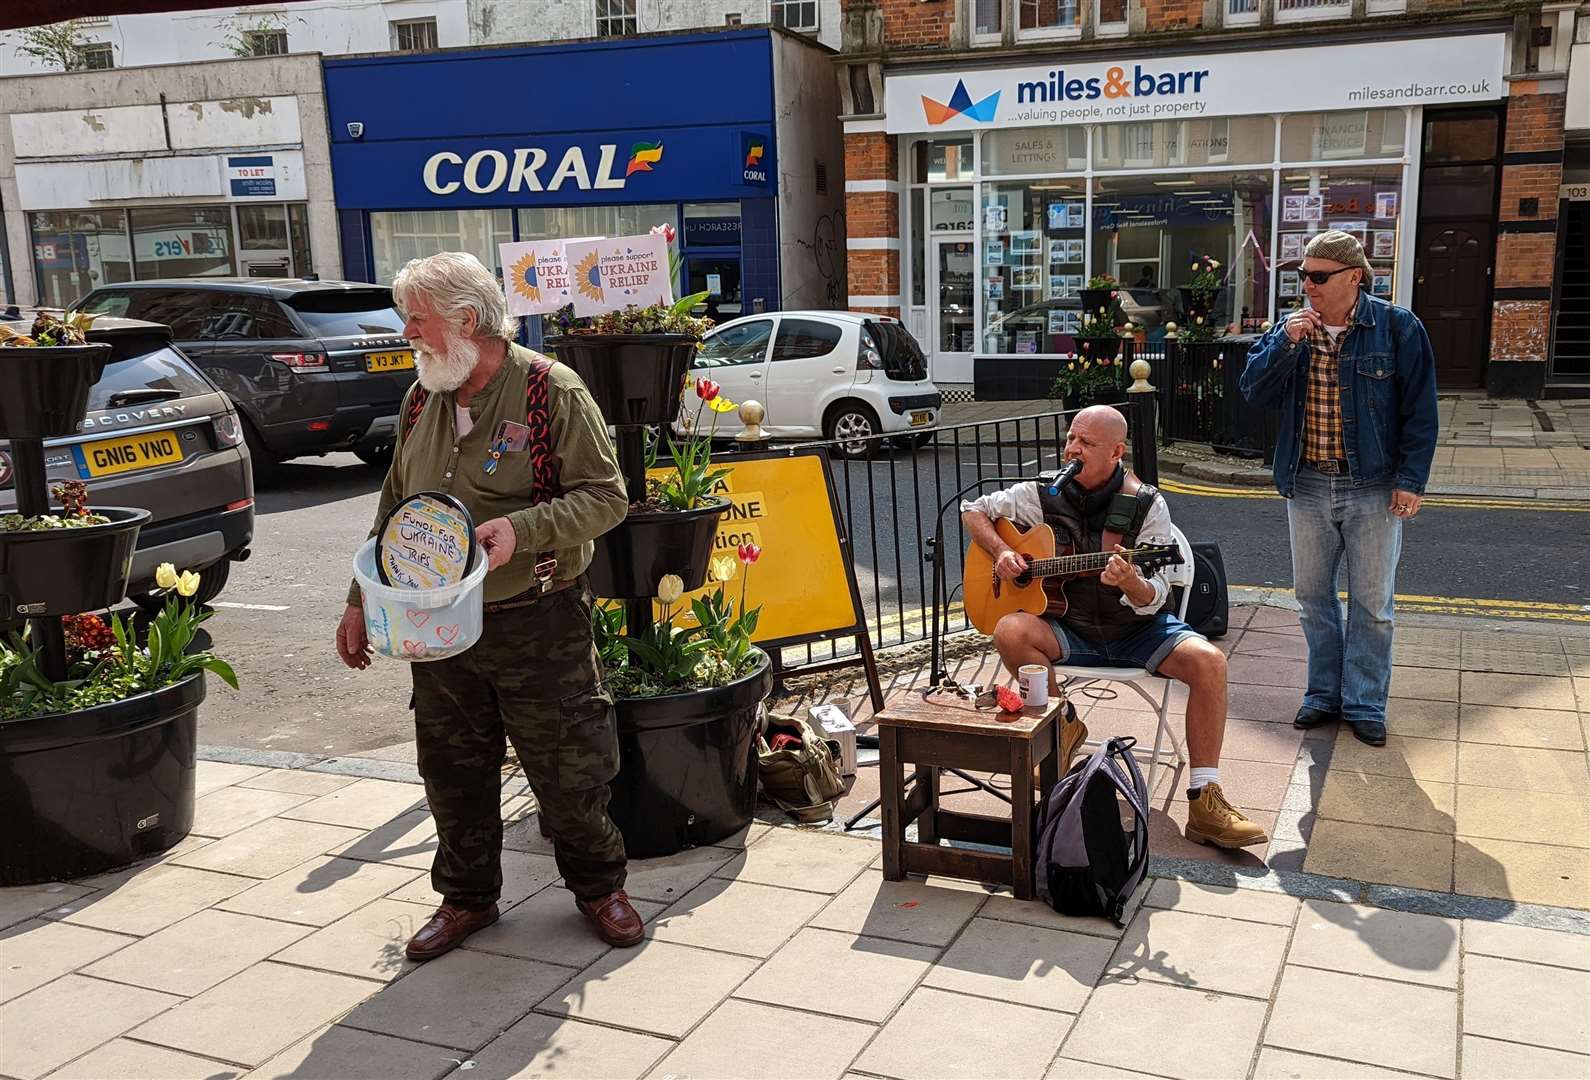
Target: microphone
x: 1067, y: 471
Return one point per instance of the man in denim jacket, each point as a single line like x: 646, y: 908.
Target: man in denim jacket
x: 1354, y: 379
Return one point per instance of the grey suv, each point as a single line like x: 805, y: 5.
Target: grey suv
x: 313, y: 366
x: 160, y: 436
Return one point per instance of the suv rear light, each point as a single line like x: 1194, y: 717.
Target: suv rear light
x: 228, y: 430
x: 241, y: 504
x: 308, y: 361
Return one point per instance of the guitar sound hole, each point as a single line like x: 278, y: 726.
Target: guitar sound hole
x: 1023, y: 580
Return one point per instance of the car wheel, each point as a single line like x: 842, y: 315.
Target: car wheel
x: 379, y: 454
x: 849, y: 425
x: 212, y: 579
x: 915, y: 440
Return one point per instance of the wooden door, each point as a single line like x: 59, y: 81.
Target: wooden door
x: 1451, y: 296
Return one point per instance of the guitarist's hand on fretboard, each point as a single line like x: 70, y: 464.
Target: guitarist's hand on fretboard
x: 1120, y: 574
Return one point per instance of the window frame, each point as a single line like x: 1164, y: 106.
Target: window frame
x: 778, y: 14
x: 616, y: 18
x: 268, y: 35
x: 400, y: 26
x: 90, y: 52
x: 1116, y: 28
x: 1069, y: 32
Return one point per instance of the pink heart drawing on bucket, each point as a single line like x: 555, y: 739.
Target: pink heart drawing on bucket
x: 418, y: 618
x: 415, y: 648
x: 447, y: 634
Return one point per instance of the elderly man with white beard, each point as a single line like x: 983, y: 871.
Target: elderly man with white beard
x: 518, y: 440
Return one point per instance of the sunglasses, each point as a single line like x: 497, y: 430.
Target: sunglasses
x: 1320, y: 277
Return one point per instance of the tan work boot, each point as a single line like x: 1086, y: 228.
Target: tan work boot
x: 1073, y: 734
x: 1212, y: 820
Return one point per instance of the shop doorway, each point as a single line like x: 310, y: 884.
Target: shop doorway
x: 952, y: 272
x: 719, y: 277
x: 1459, y: 180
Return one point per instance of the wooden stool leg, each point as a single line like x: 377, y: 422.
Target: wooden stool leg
x: 927, y: 824
x: 1021, y: 800
x: 890, y: 791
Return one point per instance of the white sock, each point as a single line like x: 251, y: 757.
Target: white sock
x: 1200, y: 777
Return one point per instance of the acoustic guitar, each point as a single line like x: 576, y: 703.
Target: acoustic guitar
x: 988, y: 599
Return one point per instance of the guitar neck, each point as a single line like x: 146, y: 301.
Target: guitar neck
x: 1090, y: 562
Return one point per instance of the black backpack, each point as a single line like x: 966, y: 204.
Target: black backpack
x: 1086, y: 863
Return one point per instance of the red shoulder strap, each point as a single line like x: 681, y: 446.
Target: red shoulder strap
x: 538, y: 418
x: 417, y: 400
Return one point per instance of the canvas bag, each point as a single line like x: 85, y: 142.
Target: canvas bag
x: 800, y: 779
x: 1085, y: 863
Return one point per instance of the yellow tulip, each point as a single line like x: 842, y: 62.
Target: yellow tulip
x: 187, y: 583
x: 723, y: 569
x: 670, y: 588
x: 721, y: 404
x: 165, y: 575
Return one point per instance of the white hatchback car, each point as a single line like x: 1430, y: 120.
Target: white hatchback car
x: 837, y: 375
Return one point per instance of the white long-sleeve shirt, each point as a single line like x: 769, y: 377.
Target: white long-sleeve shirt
x: 1021, y: 505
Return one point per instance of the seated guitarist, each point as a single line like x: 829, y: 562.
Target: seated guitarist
x: 1115, y: 620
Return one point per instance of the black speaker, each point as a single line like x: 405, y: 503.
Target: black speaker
x: 1208, y: 612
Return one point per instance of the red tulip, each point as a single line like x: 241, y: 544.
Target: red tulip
x: 706, y: 389
x: 749, y: 553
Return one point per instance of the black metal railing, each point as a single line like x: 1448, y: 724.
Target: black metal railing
x: 1200, y: 400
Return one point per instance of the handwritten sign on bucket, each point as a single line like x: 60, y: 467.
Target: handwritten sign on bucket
x: 426, y: 542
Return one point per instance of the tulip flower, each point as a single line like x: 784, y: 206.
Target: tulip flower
x: 721, y: 404
x: 667, y: 232
x: 706, y: 389
x: 165, y: 575
x: 722, y: 569
x: 749, y: 553
x: 670, y: 588
x: 187, y: 583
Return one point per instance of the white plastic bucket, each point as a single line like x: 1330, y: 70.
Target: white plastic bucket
x: 421, y: 624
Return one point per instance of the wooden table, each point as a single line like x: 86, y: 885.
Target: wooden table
x: 933, y: 736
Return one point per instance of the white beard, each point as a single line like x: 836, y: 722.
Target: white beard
x: 445, y: 371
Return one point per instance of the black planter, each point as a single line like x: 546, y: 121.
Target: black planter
x: 1093, y: 299
x: 635, y: 378
x: 1191, y: 304
x: 632, y: 556
x: 687, y: 766
x: 44, y: 390
x: 65, y: 571
x: 88, y: 791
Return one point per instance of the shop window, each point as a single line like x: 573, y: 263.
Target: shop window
x: 615, y: 18
x: 1110, y: 16
x: 802, y: 339
x: 182, y: 242
x: 795, y: 15
x: 988, y: 17
x: 1032, y: 151
x: 715, y: 224
x: 1337, y: 136
x: 414, y: 35
x: 1050, y: 14
x: 938, y: 160
x: 1160, y: 144
x: 576, y: 222
x: 1033, y: 265
x: 1363, y: 200
x: 397, y: 237
x: 1148, y: 230
x: 262, y: 228
x: 950, y: 210
x: 78, y: 250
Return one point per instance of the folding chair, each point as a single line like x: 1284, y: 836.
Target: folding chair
x: 1078, y: 676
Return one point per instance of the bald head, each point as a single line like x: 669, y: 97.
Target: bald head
x: 1097, y: 437
x: 1103, y: 420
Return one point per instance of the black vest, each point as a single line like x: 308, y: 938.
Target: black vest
x: 1093, y: 610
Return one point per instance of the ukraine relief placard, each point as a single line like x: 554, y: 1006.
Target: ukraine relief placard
x: 610, y: 275
x: 535, y: 276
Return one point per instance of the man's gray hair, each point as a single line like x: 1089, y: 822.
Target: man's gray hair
x: 455, y: 282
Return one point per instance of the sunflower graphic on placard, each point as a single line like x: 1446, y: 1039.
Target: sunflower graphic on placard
x: 526, y: 279
x: 588, y: 279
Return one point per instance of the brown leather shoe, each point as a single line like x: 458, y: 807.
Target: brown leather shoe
x: 447, y: 930
x: 616, y: 920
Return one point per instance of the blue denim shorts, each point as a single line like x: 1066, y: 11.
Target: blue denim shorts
x: 1145, y: 649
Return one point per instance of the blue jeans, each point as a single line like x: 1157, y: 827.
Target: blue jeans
x: 1329, y: 519
x: 1145, y: 649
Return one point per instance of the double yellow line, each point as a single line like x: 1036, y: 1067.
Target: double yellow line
x: 1470, y: 502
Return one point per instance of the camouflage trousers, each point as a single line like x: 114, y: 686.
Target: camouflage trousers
x: 534, y: 679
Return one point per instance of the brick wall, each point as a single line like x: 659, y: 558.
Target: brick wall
x: 1534, y: 120
x: 1519, y: 330
x: 1530, y: 182
x: 874, y: 273
x: 912, y: 24
x: 872, y: 155
x: 1160, y: 15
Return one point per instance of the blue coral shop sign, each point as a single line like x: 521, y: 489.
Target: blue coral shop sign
x: 598, y: 122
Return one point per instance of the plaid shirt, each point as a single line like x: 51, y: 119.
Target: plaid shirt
x: 1322, y: 404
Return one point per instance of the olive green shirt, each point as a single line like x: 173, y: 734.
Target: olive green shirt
x: 432, y: 457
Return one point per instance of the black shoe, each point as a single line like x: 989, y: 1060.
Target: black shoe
x: 1372, y: 732
x: 1313, y: 718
